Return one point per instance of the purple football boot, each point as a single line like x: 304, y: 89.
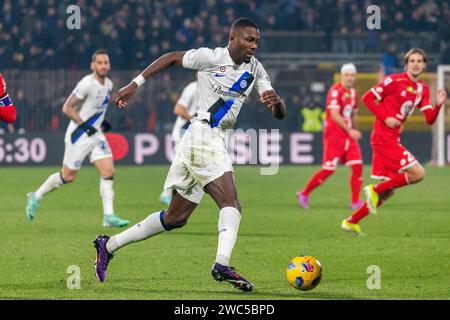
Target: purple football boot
x: 303, y: 200
x: 103, y: 257
x: 228, y: 274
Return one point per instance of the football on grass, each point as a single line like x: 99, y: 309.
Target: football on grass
x: 304, y: 272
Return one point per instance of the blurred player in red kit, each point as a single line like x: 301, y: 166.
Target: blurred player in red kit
x: 7, y: 108
x: 340, y: 138
x: 392, y: 102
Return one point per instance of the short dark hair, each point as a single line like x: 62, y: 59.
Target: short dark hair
x: 242, y: 23
x: 96, y: 53
x: 414, y: 51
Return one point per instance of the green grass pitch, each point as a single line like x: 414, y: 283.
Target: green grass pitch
x: 409, y: 239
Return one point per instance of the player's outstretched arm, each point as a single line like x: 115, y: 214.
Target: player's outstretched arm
x: 126, y: 93
x: 430, y: 113
x: 273, y: 101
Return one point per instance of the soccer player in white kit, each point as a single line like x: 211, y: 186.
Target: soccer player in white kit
x: 226, y: 77
x: 185, y: 109
x: 86, y: 108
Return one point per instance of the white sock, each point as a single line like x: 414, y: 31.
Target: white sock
x: 145, y: 229
x: 53, y: 182
x: 229, y: 219
x: 107, y: 194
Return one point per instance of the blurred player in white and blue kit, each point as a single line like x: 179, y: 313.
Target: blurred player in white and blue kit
x: 86, y: 108
x: 185, y: 108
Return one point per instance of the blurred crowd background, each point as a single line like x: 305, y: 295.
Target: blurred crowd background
x: 303, y: 41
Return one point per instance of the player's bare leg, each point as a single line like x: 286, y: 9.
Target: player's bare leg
x: 176, y: 216
x: 54, y: 181
x: 105, y: 167
x: 223, y: 191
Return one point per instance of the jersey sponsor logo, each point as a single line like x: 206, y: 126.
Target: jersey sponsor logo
x: 407, y: 109
x: 347, y: 112
x: 218, y: 89
x: 334, y: 93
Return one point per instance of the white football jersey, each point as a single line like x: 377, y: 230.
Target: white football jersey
x: 189, y: 100
x: 95, y: 97
x: 223, y: 85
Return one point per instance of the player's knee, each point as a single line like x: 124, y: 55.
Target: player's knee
x: 417, y: 175
x: 171, y: 222
x: 68, y: 177
x: 175, y: 221
x: 109, y: 173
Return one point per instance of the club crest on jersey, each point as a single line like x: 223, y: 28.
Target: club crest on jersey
x: 411, y: 89
x: 223, y: 69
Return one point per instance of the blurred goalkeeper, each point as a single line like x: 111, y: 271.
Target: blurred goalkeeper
x: 86, y: 108
x: 7, y: 108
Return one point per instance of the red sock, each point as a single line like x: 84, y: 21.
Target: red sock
x: 397, y: 181
x: 317, y: 180
x: 361, y: 212
x: 356, y: 181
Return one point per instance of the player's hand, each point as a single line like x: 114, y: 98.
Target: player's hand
x: 270, y: 98
x: 90, y: 130
x: 355, y: 134
x: 392, y: 122
x: 106, y: 126
x: 441, y: 96
x: 125, y: 94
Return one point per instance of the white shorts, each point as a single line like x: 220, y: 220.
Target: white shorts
x: 201, y: 157
x: 97, y: 146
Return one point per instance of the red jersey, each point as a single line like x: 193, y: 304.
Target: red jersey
x: 346, y: 101
x: 2, y: 86
x: 399, y: 96
x: 7, y: 108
